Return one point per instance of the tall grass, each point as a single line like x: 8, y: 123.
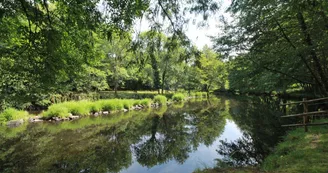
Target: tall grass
x: 110, y: 105
x: 56, y: 110
x: 178, y: 97
x: 160, y: 99
x: 78, y: 107
x: 12, y: 114
x: 127, y: 103
x: 146, y: 102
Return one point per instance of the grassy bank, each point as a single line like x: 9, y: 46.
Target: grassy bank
x: 82, y: 108
x: 299, y: 152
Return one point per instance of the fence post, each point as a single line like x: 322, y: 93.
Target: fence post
x: 305, y: 116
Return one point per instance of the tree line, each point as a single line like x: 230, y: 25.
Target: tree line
x: 55, y: 47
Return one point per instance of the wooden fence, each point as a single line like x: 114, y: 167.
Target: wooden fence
x: 306, y: 113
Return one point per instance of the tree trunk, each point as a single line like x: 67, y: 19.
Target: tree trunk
x: 308, y: 41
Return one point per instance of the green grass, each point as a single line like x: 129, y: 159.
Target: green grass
x: 300, y: 152
x: 127, y: 103
x: 56, y: 110
x: 178, y: 97
x: 84, y: 107
x: 81, y: 108
x: 160, y: 99
x: 146, y: 102
x: 12, y: 114
x: 94, y: 107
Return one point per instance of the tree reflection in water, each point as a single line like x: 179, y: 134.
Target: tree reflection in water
x: 107, y: 144
x: 259, y: 119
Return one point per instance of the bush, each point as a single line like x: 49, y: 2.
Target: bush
x: 145, y: 102
x: 178, y: 97
x: 160, y: 99
x: 56, y: 110
x: 12, y: 114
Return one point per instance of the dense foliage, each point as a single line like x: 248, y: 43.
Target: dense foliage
x: 280, y: 45
x: 57, y: 47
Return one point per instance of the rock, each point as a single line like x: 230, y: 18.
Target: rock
x: 38, y: 117
x: 105, y: 112
x: 96, y: 114
x: 70, y: 114
x: 65, y: 119
x: 31, y: 120
x: 35, y: 119
x: 15, y: 123
x: 73, y: 117
x: 56, y: 118
x: 125, y: 110
x: 38, y: 120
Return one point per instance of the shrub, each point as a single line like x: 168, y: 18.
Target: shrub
x: 56, y: 110
x: 12, y: 114
x: 145, y: 102
x: 178, y: 97
x: 160, y: 99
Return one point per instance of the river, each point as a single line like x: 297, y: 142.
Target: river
x: 232, y: 131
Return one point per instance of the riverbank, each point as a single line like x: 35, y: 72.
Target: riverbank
x: 76, y: 109
x: 299, y: 152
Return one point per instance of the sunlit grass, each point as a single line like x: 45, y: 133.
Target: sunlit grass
x: 160, y: 99
x: 12, y: 114
x: 300, y: 152
x: 56, y: 110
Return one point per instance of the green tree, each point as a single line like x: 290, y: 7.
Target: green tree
x: 282, y: 43
x: 212, y: 70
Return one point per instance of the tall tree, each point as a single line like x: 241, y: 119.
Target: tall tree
x: 285, y: 41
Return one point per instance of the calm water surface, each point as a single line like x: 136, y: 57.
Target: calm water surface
x: 179, y: 138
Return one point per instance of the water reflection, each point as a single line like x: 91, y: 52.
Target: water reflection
x: 180, y: 138
x: 259, y: 119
